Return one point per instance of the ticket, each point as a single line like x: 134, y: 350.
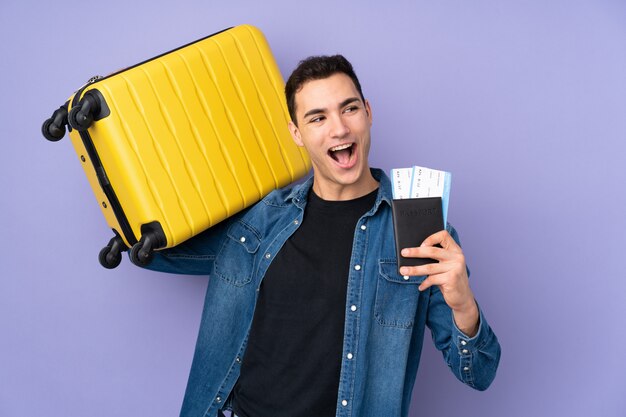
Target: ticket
x: 422, y: 182
x: 427, y: 182
x: 401, y: 181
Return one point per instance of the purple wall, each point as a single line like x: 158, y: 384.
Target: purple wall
x: 525, y: 102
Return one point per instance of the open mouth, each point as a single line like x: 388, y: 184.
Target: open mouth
x: 342, y: 153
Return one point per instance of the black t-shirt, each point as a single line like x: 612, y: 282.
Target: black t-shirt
x: 293, y: 359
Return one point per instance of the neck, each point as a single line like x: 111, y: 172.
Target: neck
x: 339, y: 192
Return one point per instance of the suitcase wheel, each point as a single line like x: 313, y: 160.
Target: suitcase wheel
x: 79, y: 119
x: 111, y: 255
x: 152, y: 238
x: 141, y: 253
x: 91, y: 107
x: 53, y: 128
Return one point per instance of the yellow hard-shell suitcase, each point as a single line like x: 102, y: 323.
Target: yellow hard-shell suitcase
x: 178, y: 143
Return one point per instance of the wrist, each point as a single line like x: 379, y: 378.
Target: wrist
x: 467, y: 318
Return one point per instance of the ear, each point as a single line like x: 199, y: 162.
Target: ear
x: 295, y: 133
x: 368, y: 111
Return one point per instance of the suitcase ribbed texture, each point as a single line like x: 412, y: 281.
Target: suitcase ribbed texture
x: 195, y: 135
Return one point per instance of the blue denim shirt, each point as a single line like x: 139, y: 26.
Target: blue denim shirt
x: 385, y: 313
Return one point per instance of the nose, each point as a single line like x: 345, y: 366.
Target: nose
x: 338, y: 128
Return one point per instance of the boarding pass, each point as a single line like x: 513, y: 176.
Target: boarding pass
x: 420, y: 182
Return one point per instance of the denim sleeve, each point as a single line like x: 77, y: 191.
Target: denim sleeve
x: 473, y: 360
x: 195, y: 256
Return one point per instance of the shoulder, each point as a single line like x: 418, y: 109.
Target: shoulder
x: 278, y: 198
x: 272, y: 211
x: 286, y: 196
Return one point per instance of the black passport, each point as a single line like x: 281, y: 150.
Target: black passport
x: 414, y: 219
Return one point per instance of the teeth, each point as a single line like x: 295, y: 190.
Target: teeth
x: 340, y: 147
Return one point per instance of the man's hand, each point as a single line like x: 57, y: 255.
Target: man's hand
x: 450, y: 274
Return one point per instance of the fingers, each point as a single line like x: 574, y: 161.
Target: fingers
x: 450, y: 265
x: 432, y: 252
x: 449, y: 255
x: 442, y: 256
x: 433, y: 272
x: 427, y: 269
x: 442, y: 238
x: 446, y: 276
x: 429, y: 282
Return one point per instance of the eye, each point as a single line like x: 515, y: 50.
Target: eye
x: 351, y: 109
x: 316, y: 119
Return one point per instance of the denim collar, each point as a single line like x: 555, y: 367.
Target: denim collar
x: 300, y: 192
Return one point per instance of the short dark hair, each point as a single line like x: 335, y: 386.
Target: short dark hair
x: 317, y: 68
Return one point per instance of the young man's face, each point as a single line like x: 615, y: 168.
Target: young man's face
x: 334, y: 127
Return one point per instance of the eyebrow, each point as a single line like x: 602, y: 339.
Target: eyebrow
x: 342, y: 104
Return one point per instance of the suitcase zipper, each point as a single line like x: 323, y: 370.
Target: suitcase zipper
x: 97, y: 78
x: 94, y: 79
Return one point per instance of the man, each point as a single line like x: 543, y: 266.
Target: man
x: 306, y: 312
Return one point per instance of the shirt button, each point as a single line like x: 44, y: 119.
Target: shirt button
x: 466, y: 368
x: 218, y: 399
x: 463, y: 342
x: 357, y: 267
x: 406, y: 277
x: 349, y: 356
x: 238, y: 359
x: 268, y: 255
x: 353, y: 308
x: 242, y: 239
x: 465, y: 351
x: 344, y: 403
x: 295, y: 222
x: 363, y: 227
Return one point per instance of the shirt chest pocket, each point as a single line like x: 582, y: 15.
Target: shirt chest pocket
x: 235, y: 260
x: 396, y: 296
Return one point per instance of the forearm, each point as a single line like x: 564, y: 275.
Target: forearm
x: 176, y: 261
x: 192, y: 257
